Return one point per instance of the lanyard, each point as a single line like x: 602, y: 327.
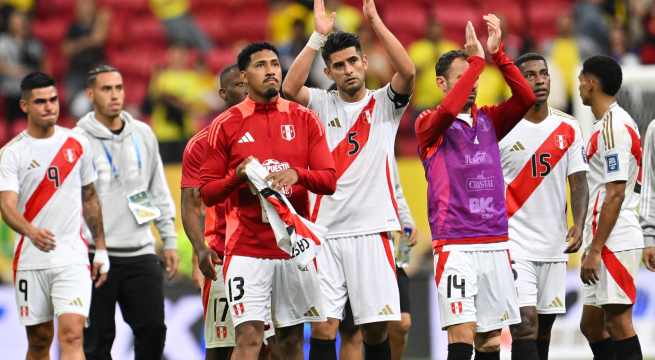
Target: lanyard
x: 110, y: 159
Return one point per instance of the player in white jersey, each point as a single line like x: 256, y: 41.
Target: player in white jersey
x: 538, y: 156
x: 356, y: 262
x: 46, y: 188
x: 613, y: 240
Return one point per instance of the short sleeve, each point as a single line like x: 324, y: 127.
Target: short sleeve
x: 577, y: 156
x: 317, y: 98
x: 394, y: 104
x: 87, y: 165
x: 615, y: 145
x: 192, y: 159
x: 9, y: 171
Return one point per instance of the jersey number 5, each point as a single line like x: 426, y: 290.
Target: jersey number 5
x: 53, y: 175
x: 352, y: 141
x: 540, y: 165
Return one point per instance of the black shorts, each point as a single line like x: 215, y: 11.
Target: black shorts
x: 348, y: 324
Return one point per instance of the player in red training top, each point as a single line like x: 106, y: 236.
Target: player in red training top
x: 219, y: 331
x: 289, y: 140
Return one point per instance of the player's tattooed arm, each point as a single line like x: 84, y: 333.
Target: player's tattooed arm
x: 92, y: 213
x: 579, y: 202
x: 609, y: 213
x: 403, y: 80
x: 43, y: 239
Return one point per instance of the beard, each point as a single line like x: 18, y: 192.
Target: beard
x: 353, y: 89
x: 270, y: 93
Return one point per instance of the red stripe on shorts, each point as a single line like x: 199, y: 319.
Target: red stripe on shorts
x: 441, y: 264
x: 388, y: 251
x: 206, y: 289
x: 619, y: 273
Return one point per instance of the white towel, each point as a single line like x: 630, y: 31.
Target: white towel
x: 295, y: 235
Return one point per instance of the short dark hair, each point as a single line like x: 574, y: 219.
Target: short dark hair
x: 243, y: 59
x: 35, y: 80
x: 443, y: 64
x: 338, y: 41
x: 92, y: 75
x: 608, y: 72
x: 531, y: 56
x: 222, y: 77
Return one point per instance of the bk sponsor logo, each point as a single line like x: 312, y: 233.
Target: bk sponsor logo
x: 483, y: 206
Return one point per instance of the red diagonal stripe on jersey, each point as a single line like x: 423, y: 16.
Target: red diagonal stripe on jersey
x: 619, y: 273
x: 392, y: 194
x: 635, y: 149
x: 520, y: 189
x: 65, y: 159
x: 593, y: 145
x: 342, y: 158
x: 388, y: 251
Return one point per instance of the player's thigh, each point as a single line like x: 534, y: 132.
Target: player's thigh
x: 297, y: 295
x: 219, y: 330
x: 71, y: 290
x: 370, y: 272
x: 248, y: 285
x: 551, y: 286
x: 456, y: 277
x: 40, y: 336
x: 497, y: 300
x: 332, y: 278
x: 33, y: 301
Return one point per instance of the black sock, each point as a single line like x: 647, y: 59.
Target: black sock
x: 460, y: 351
x: 494, y: 355
x: 603, y: 350
x: 322, y: 349
x: 629, y: 348
x: 524, y: 349
x: 381, y: 351
x: 542, y: 348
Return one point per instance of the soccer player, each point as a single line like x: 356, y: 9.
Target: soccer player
x: 290, y: 142
x: 219, y: 331
x: 133, y: 193
x: 538, y: 156
x: 458, y: 144
x: 647, y: 216
x: 613, y: 241
x: 361, y: 123
x: 46, y: 188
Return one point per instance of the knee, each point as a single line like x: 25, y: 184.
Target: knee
x: 39, y: 341
x: 375, y: 333
x: 526, y: 330
x: 488, y: 342
x: 70, y: 336
x: 291, y: 341
x: 326, y: 330
x: 400, y: 328
x: 249, y: 336
x: 619, y: 327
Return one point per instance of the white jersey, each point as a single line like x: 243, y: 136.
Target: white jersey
x: 358, y: 136
x: 614, y: 153
x: 536, y: 160
x: 48, y: 175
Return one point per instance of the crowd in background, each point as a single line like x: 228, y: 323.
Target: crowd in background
x: 170, y: 50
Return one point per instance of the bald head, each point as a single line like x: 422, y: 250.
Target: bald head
x: 232, y: 89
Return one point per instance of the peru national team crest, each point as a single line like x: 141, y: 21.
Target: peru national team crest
x: 561, y: 142
x: 69, y: 154
x: 288, y: 132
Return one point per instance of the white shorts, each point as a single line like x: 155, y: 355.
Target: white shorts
x: 542, y: 285
x: 617, y: 285
x: 361, y: 269
x: 260, y: 288
x: 476, y: 286
x: 219, y: 330
x: 44, y: 294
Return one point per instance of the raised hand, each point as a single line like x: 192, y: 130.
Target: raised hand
x: 473, y: 47
x: 323, y: 23
x: 369, y: 10
x: 494, y: 31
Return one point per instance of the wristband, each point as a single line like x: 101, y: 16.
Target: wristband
x: 102, y: 257
x: 316, y: 41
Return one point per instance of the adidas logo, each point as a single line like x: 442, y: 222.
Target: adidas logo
x: 76, y: 302
x: 33, y: 165
x: 517, y: 147
x: 335, y: 123
x: 386, y: 310
x: 246, y: 138
x: 505, y: 316
x: 557, y: 303
x: 312, y: 312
